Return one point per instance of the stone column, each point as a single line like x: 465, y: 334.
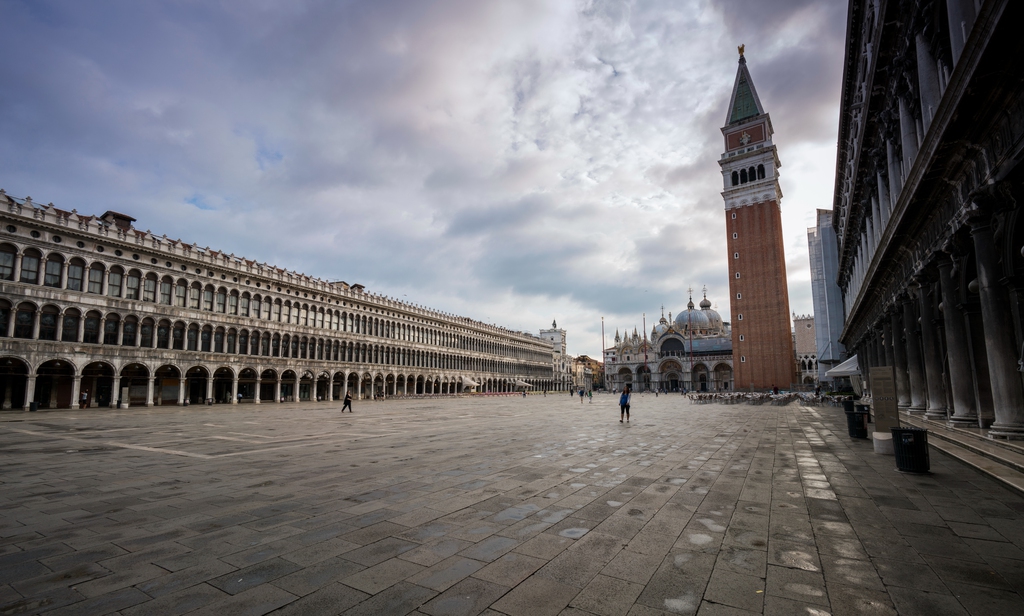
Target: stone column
x: 64, y: 275
x: 181, y: 391
x: 76, y: 390
x: 10, y: 322
x: 259, y: 389
x: 932, y: 353
x: 961, y: 19
x: 120, y: 332
x: 209, y: 388
x: 60, y: 326
x: 149, y: 391
x: 957, y: 350
x: 344, y: 386
x: 116, y: 394
x: 30, y: 391
x: 1000, y: 342
x: 928, y: 80
x: 17, y: 267
x: 914, y: 365
x: 35, y: 324
x: 234, y: 389
x: 895, y: 179
x: 899, y: 360
x: 330, y: 389
x: 908, y: 136
x: 80, y: 335
x: 277, y: 390
x: 887, y: 344
x: 298, y: 383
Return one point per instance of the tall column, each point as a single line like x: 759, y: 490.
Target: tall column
x: 298, y: 382
x: 116, y: 393
x: 181, y: 391
x: 10, y: 322
x: 259, y: 389
x: 908, y: 136
x: 895, y: 179
x: 887, y: 340
x: 914, y: 366
x: 330, y: 389
x: 277, y: 390
x: 961, y: 19
x: 120, y: 332
x: 76, y: 390
x: 1000, y: 342
x: 149, y: 391
x: 64, y: 275
x: 30, y: 391
x: 932, y: 353
x: 344, y: 386
x: 234, y: 389
x: 957, y: 350
x: 927, y: 80
x: 209, y: 387
x: 35, y: 324
x: 60, y: 326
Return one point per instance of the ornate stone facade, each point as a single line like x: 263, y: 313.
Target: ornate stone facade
x: 93, y: 310
x: 692, y: 352
x: 929, y: 187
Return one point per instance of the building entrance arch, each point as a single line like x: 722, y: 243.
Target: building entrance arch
x: 223, y: 379
x: 167, y: 386
x: 13, y: 379
x: 54, y: 384
x: 197, y: 385
x: 97, y: 384
x: 134, y: 385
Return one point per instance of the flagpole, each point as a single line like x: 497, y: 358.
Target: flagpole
x: 604, y: 360
x: 646, y: 369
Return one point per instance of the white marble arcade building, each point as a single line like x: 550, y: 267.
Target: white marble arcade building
x: 93, y: 310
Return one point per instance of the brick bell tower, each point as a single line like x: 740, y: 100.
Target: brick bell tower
x: 762, y: 341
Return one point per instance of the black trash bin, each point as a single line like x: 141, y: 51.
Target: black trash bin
x: 848, y: 406
x: 911, y: 448
x: 33, y: 406
x: 857, y: 423
x: 864, y: 408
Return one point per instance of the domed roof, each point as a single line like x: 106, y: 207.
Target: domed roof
x: 696, y: 320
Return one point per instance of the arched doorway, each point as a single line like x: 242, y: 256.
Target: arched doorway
x: 700, y: 378
x: 167, y: 386
x: 54, y: 383
x: 222, y: 381
x: 13, y: 379
x: 288, y: 393
x: 337, y: 384
x: 723, y: 377
x: 378, y: 386
x: 247, y: 385
x: 134, y: 385
x: 268, y: 383
x: 643, y: 377
x: 307, y: 385
x: 196, y: 380
x: 323, y: 383
x: 419, y: 384
x: 97, y: 385
x: 671, y: 376
x: 353, y: 385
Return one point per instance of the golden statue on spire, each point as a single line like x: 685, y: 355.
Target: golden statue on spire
x: 740, y: 49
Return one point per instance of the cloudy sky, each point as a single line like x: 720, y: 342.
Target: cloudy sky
x: 512, y: 162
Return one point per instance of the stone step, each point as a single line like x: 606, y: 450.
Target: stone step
x: 994, y: 458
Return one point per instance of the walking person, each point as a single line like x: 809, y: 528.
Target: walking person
x: 581, y: 395
x: 624, y: 403
x: 348, y: 402
x: 590, y: 396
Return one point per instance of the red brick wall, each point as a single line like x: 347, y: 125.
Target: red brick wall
x: 767, y: 341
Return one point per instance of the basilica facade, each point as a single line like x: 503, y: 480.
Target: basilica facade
x: 96, y: 313
x: 692, y: 352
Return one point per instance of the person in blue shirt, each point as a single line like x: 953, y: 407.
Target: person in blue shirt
x: 624, y: 403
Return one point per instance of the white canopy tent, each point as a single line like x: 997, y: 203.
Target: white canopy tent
x: 468, y: 382
x: 847, y: 368
x: 521, y: 383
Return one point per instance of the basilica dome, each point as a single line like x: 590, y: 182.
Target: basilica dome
x: 705, y: 319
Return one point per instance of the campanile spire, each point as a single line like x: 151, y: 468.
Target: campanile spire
x: 763, y: 354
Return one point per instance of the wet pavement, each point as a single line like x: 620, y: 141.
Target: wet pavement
x: 490, y: 505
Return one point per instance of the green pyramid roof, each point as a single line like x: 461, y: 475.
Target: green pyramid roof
x: 743, y: 106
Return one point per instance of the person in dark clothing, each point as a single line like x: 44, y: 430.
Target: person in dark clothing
x: 348, y: 402
x: 624, y: 403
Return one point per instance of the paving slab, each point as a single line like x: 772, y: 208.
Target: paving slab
x: 493, y: 505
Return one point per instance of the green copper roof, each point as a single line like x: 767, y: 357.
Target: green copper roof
x: 744, y: 107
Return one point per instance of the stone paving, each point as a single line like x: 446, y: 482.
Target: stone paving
x: 490, y: 505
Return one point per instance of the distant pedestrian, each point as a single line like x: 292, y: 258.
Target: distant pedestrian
x: 239, y: 397
x: 624, y: 403
x: 348, y: 402
x: 590, y: 396
x: 581, y: 395
x: 85, y: 400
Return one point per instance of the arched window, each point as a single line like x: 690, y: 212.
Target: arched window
x: 275, y: 348
x: 192, y: 339
x: 232, y: 337
x: 277, y: 311
x: 743, y: 176
x: 72, y: 321
x: 254, y: 344
x: 256, y: 305
x: 752, y: 173
x: 218, y: 340
x: 7, y: 253
x: 208, y: 298
x: 233, y: 303
x: 48, y: 323
x: 735, y: 178
x: 243, y: 342
x: 180, y: 293
x: 110, y: 328
x: 222, y: 300
x: 265, y: 347
x: 30, y: 267
x: 76, y: 275
x: 54, y: 266
x: 243, y: 305
x: 129, y: 331
x: 179, y: 336
x: 131, y: 285
x: 96, y: 278
x: 166, y: 287
x: 195, y: 291
x: 295, y: 346
x: 285, y: 345
x: 149, y: 288
x: 91, y: 333
x: 163, y: 335
x: 760, y: 172
x: 266, y: 308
